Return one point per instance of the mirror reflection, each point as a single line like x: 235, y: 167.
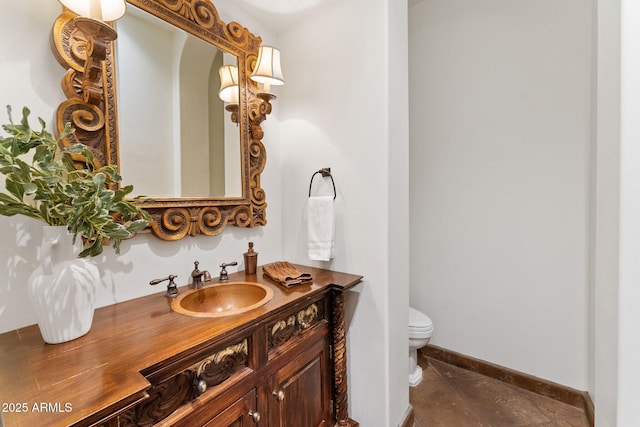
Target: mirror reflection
x: 176, y: 138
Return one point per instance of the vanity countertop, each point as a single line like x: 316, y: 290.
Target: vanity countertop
x: 51, y: 385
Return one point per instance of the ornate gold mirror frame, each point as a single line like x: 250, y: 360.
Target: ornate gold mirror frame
x: 91, y: 107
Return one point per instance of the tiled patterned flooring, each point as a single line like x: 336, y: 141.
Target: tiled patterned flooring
x: 449, y: 396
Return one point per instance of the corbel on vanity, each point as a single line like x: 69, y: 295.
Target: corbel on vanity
x: 282, y: 364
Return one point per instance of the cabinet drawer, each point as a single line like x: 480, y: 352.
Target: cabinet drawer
x: 294, y: 324
x: 219, y: 370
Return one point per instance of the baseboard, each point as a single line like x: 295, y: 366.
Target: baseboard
x: 570, y: 396
x: 409, y: 418
x: 589, y: 409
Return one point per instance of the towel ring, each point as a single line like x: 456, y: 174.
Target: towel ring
x: 325, y: 172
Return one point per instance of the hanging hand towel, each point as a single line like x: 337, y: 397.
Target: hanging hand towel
x: 320, y: 228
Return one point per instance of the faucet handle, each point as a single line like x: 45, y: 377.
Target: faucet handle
x: 172, y: 288
x: 227, y: 264
x: 224, y: 276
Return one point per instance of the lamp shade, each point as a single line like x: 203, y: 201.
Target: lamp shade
x: 268, y: 69
x: 229, y: 87
x: 101, y: 10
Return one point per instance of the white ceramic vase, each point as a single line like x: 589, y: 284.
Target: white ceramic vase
x: 62, y: 288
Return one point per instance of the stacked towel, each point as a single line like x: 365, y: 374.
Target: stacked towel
x: 320, y: 228
x: 286, y: 274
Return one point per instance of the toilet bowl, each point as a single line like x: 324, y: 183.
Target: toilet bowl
x: 420, y: 330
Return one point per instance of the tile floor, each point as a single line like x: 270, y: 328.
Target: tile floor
x: 449, y: 396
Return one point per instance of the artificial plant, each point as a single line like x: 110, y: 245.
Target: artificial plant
x: 44, y: 182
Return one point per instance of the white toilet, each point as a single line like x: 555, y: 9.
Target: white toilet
x: 420, y: 330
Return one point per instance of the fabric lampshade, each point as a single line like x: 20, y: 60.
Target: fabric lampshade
x: 101, y: 10
x: 229, y: 84
x: 268, y: 69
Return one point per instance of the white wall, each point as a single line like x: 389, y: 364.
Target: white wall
x: 603, y: 387
x: 615, y: 379
x: 398, y: 206
x: 343, y: 108
x: 29, y: 75
x: 629, y: 291
x: 500, y: 108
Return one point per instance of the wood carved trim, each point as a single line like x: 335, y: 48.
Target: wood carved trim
x: 92, y: 116
x: 341, y: 402
x: 218, y: 368
x: 167, y: 396
x: 96, y: 119
x: 283, y: 330
x: 164, y: 398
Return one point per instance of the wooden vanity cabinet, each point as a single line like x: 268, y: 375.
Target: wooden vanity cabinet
x: 278, y: 374
x: 142, y: 364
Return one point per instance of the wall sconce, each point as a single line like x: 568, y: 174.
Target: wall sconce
x: 267, y: 72
x: 91, y: 20
x: 230, y: 89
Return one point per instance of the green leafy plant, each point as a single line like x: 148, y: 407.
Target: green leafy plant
x: 52, y: 187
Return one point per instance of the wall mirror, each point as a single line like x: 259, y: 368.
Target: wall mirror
x: 190, y: 144
x: 157, y: 115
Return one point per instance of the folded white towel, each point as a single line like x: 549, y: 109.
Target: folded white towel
x: 320, y: 228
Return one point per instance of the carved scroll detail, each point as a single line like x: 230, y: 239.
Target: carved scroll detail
x: 174, y: 223
x: 164, y: 398
x: 169, y: 395
x: 88, y: 87
x: 219, y: 367
x: 204, y: 16
x: 283, y: 330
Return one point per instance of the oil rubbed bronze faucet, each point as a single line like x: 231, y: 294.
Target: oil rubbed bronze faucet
x: 196, y: 277
x: 224, y: 276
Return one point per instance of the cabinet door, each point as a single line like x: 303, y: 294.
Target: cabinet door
x: 241, y: 414
x: 301, y: 390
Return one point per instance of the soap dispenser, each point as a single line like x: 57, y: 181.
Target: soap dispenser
x: 250, y: 260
